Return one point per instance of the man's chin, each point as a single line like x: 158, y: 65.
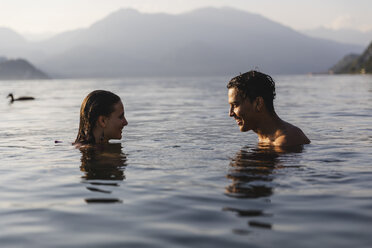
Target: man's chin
x: 243, y: 129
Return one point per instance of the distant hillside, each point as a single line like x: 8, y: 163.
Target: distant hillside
x: 355, y: 64
x: 13, y: 44
x: 203, y: 42
x: 9, y: 38
x: 19, y: 69
x: 343, y: 63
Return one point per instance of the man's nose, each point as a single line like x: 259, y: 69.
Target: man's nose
x: 231, y: 112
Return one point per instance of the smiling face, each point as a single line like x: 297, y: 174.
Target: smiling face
x: 115, y: 123
x: 242, y: 110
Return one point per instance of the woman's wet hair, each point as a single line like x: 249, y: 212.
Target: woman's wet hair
x: 97, y: 103
x: 253, y: 84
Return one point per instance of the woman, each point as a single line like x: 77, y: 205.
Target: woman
x: 101, y: 118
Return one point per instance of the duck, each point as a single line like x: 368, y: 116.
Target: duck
x: 22, y: 98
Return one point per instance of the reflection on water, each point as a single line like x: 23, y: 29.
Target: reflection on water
x: 102, y: 166
x: 250, y: 171
x: 252, y: 174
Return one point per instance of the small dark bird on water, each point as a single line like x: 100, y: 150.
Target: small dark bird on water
x: 22, y: 98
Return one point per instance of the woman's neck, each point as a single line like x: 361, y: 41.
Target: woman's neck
x: 99, y: 136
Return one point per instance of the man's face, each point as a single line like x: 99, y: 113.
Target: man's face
x: 242, y: 110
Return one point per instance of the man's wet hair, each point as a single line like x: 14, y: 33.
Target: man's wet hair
x: 253, y: 84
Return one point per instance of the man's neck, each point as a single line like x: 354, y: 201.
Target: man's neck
x: 269, y: 127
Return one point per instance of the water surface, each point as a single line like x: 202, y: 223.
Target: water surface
x: 183, y: 175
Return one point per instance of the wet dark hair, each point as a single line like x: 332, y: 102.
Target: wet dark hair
x: 95, y: 104
x: 253, y: 84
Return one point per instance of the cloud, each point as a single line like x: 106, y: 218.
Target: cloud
x: 344, y: 21
x: 348, y: 22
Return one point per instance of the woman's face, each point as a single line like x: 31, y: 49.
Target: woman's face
x: 115, y: 122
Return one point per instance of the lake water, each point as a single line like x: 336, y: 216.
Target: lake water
x: 183, y: 175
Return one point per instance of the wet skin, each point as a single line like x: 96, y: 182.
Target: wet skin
x: 271, y: 130
x: 242, y: 110
x: 115, y: 123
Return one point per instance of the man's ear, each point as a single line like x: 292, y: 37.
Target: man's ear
x: 101, y: 121
x: 259, y: 104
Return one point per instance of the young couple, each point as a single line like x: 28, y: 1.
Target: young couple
x: 250, y: 95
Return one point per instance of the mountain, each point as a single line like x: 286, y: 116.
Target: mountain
x: 9, y: 38
x: 343, y: 63
x: 207, y: 41
x: 355, y: 64
x: 351, y: 36
x: 13, y: 45
x: 19, y: 69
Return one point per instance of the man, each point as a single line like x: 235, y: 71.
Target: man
x: 251, y: 97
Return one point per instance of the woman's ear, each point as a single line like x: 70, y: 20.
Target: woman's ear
x: 101, y: 121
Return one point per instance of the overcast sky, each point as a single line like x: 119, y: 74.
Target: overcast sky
x: 42, y: 16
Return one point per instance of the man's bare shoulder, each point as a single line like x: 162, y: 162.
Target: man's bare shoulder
x: 291, y: 136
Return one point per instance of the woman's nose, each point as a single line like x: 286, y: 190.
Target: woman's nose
x: 125, y: 122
